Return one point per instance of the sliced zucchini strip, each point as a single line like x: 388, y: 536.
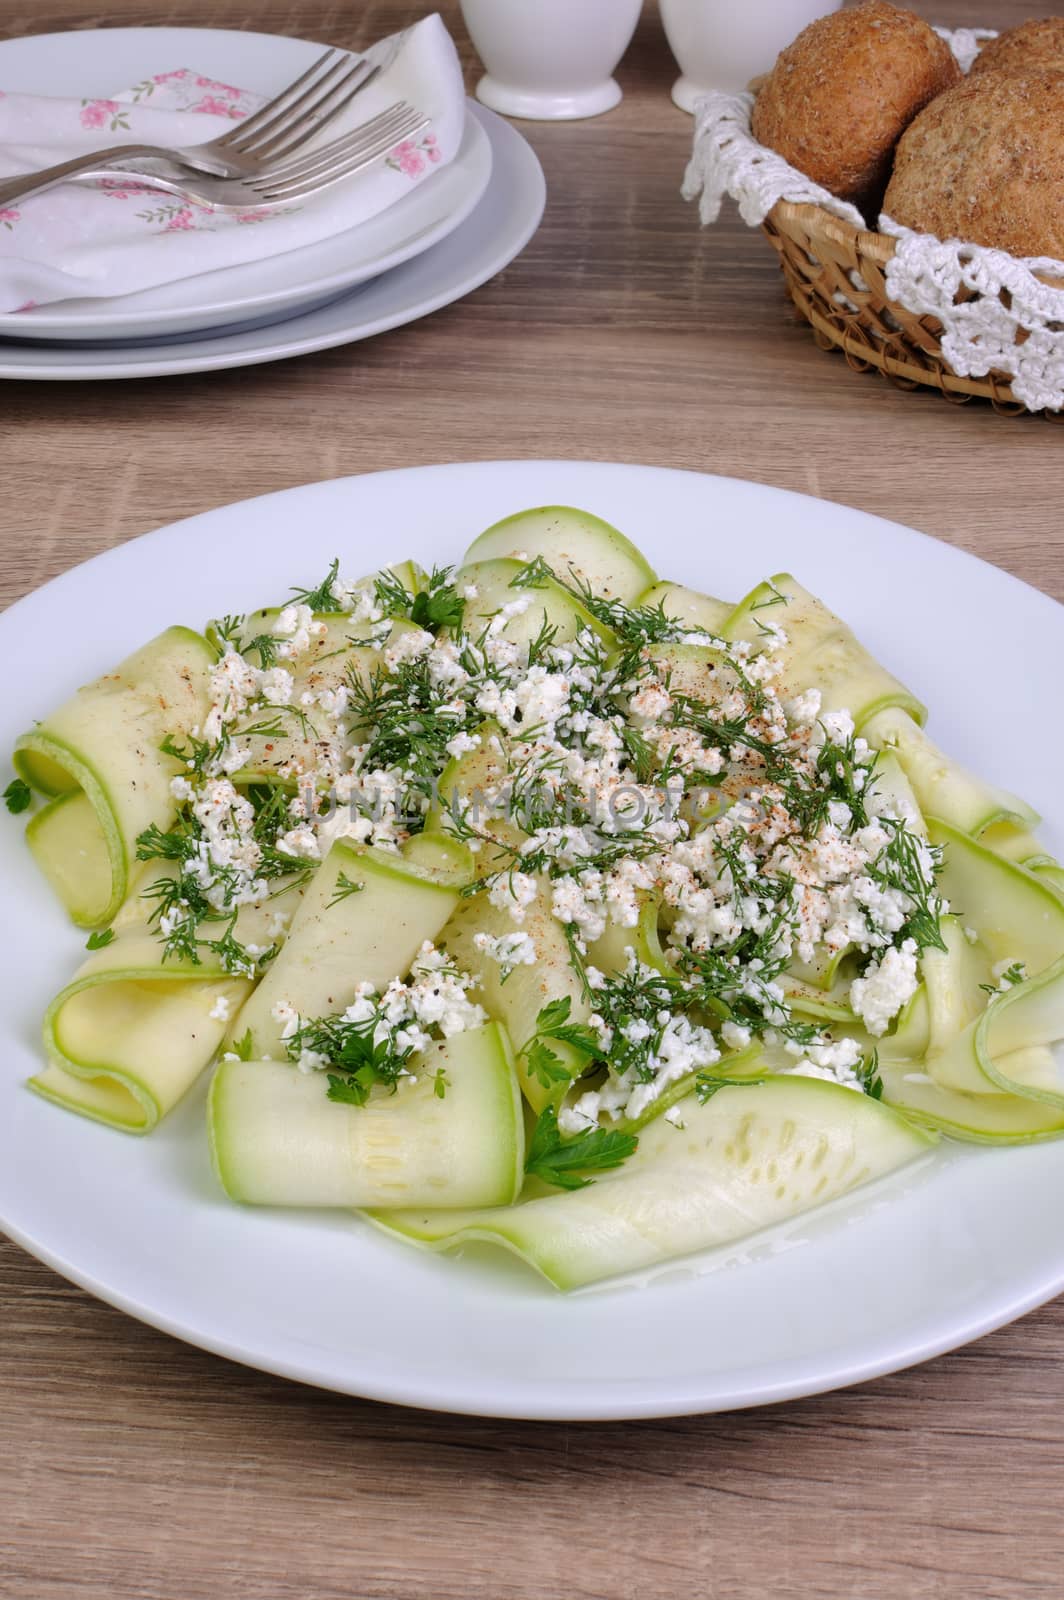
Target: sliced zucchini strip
x: 289, y: 750
x: 548, y: 603
x: 518, y: 999
x: 277, y: 1139
x: 1014, y: 912
x: 132, y: 1031
x: 974, y: 1118
x: 569, y: 540
x: 688, y: 606
x: 821, y: 652
x: 364, y: 917
x: 1007, y: 1048
x: 747, y: 1159
x: 71, y: 849
x: 104, y: 744
x: 129, y: 1036
x: 942, y: 786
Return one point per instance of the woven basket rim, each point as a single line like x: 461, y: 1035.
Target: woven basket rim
x: 878, y: 247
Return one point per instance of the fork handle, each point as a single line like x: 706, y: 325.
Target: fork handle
x: 33, y: 182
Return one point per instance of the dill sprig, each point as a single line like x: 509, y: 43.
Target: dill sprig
x: 900, y: 866
x: 406, y: 725
x: 321, y: 598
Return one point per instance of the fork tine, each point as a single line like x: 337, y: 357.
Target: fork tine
x: 327, y: 109
x: 257, y: 118
x: 289, y: 112
x: 390, y: 125
x: 301, y: 116
x: 383, y: 125
x: 345, y: 163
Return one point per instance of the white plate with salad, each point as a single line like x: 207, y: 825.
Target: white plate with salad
x: 606, y: 962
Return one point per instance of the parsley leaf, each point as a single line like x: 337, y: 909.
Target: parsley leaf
x: 552, y: 1022
x: 17, y: 795
x: 347, y: 1091
x: 96, y: 941
x: 351, y: 1048
x: 438, y: 606
x: 561, y: 1161
x: 243, y: 1047
x: 545, y: 1066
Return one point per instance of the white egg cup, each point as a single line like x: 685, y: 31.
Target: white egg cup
x: 550, y: 60
x: 720, y: 45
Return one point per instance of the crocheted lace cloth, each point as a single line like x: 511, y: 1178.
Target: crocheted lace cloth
x: 1014, y: 323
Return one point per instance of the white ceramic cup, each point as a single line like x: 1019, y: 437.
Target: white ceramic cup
x: 550, y: 59
x: 722, y: 45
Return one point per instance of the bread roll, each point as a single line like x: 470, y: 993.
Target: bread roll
x: 1032, y: 47
x: 985, y: 163
x: 839, y: 97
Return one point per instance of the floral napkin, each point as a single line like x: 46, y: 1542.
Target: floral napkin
x: 115, y: 236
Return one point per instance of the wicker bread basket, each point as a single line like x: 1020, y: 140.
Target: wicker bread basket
x: 820, y: 255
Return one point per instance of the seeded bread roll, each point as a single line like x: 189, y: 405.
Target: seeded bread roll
x: 1032, y: 47
x: 839, y: 97
x: 985, y: 163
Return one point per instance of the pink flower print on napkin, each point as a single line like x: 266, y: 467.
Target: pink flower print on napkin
x: 411, y: 158
x: 100, y: 113
x: 222, y: 88
x: 213, y: 106
x: 175, y: 217
x: 8, y: 217
x: 123, y: 188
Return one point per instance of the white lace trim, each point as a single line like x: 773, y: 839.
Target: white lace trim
x: 925, y: 274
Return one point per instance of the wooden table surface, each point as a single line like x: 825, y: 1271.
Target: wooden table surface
x: 133, y: 1466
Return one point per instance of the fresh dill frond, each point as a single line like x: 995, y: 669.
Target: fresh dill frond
x: 321, y: 598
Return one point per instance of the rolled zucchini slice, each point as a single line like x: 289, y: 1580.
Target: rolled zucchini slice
x: 363, y: 918
x: 1007, y: 1049
x: 944, y: 788
x: 749, y: 1158
x: 277, y: 1139
x: 974, y: 1118
x: 132, y: 1031
x: 570, y: 541
x: 130, y: 1035
x: 821, y: 652
x: 99, y: 756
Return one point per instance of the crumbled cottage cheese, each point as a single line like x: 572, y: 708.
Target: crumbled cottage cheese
x: 887, y: 986
x: 748, y: 826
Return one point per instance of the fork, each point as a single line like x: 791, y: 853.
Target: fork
x: 278, y: 129
x: 295, y: 180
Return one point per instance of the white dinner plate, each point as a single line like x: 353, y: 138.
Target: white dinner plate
x: 930, y: 1257
x: 497, y: 230
x: 101, y: 61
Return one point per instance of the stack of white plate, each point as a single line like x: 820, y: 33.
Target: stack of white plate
x: 444, y: 239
